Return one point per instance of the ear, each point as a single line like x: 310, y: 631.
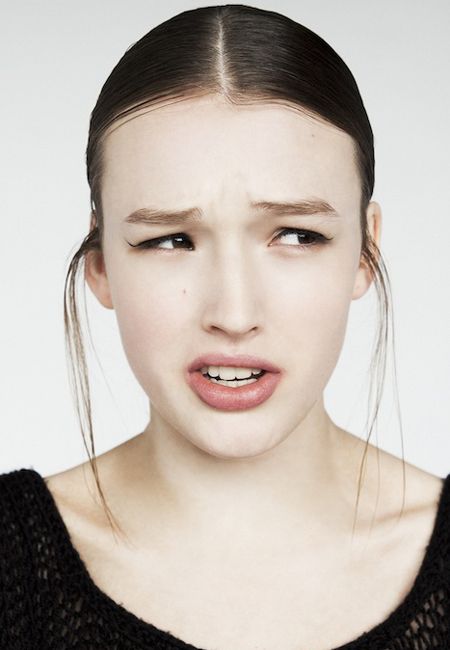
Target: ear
x: 95, y: 273
x: 364, y: 278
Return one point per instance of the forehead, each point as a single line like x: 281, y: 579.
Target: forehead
x: 204, y: 149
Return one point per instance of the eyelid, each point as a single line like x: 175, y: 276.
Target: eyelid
x: 308, y: 231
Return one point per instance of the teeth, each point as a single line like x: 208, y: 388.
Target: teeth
x: 230, y: 372
x: 236, y: 383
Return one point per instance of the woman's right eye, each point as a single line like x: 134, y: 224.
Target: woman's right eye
x: 154, y: 243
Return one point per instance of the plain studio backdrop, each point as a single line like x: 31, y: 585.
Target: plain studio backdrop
x: 54, y: 59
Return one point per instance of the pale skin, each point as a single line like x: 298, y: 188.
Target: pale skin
x: 243, y: 517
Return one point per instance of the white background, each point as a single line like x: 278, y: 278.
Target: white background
x: 55, y: 56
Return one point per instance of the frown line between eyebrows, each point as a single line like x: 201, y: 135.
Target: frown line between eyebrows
x: 158, y: 217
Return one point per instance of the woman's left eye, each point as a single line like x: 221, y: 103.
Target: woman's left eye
x: 308, y: 239
x: 314, y: 238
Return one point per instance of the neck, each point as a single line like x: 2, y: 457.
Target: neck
x: 305, y: 483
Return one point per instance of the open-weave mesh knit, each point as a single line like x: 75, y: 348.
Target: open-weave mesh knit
x: 49, y: 601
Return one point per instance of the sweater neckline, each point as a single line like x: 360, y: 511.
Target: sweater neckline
x: 135, y: 628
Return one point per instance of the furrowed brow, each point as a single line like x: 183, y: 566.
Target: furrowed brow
x: 296, y: 208
x: 154, y: 216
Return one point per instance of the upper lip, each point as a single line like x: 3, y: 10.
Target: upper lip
x: 235, y: 360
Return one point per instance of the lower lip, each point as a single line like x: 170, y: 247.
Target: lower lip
x: 233, y: 399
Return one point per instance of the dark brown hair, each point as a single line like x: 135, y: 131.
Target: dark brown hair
x: 247, y: 55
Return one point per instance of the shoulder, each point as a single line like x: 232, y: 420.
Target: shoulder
x: 394, y: 484
x: 20, y: 523
x: 75, y: 494
x: 17, y: 492
x: 22, y: 510
x: 428, y: 504
x: 398, y: 503
x: 423, y: 489
x: 415, y: 510
x: 414, y: 491
x: 74, y: 491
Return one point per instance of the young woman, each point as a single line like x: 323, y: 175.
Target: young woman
x: 231, y: 167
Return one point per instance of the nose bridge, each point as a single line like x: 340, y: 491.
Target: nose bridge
x: 232, y: 288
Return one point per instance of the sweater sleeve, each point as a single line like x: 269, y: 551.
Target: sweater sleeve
x: 17, y: 630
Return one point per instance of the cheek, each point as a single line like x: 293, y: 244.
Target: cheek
x: 312, y: 295
x: 327, y: 326
x: 308, y: 314
x: 150, y: 315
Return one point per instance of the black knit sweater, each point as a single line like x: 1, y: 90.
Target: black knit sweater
x: 49, y: 601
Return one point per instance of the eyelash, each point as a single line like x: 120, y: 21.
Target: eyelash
x: 318, y: 239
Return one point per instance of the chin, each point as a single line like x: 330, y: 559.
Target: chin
x: 240, y: 446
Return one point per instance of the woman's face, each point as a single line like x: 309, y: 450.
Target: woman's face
x: 238, y: 280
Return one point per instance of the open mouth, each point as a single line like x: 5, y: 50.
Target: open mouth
x: 233, y: 394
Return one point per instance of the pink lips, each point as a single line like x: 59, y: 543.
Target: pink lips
x: 236, y: 360
x: 226, y: 397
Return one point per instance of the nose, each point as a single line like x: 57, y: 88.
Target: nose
x: 233, y: 291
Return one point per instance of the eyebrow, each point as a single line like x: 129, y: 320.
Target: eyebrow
x: 154, y: 216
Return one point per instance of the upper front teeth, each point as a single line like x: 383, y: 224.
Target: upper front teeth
x: 229, y: 372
